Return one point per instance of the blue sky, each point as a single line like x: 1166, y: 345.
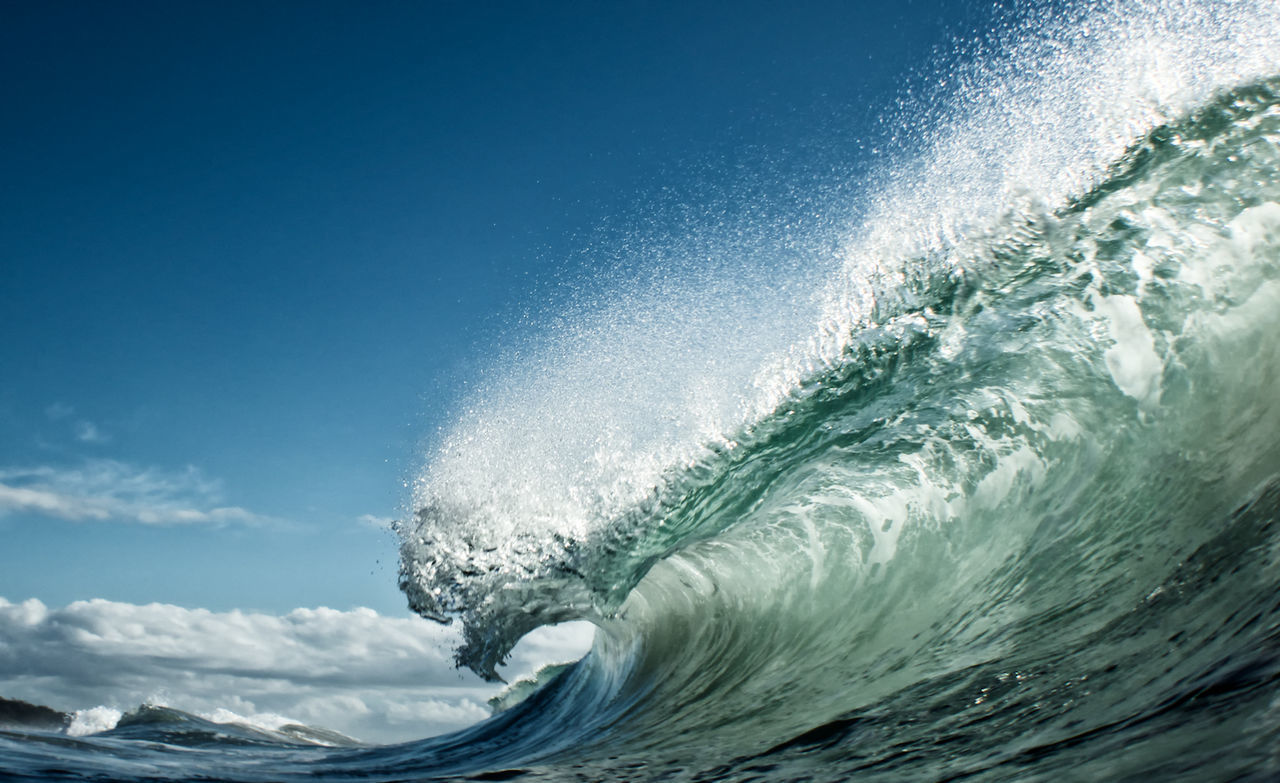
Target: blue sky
x: 252, y: 253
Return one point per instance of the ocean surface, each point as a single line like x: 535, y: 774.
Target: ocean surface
x: 994, y: 497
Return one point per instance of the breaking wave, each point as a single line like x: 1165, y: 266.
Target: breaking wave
x: 997, y: 497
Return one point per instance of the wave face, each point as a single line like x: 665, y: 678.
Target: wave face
x: 999, y: 498
x: 1008, y: 507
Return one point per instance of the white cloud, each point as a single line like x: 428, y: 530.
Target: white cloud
x: 549, y: 644
x: 40, y: 501
x: 88, y: 432
x: 107, y: 489
x: 84, y: 430
x: 376, y: 522
x: 437, y: 711
x: 374, y: 677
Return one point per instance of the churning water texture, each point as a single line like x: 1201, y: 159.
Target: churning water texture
x: 1007, y: 508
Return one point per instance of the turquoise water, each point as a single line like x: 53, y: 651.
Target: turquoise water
x: 998, y: 499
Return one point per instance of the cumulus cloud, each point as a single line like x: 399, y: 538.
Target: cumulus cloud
x: 371, y: 676
x: 357, y: 672
x: 103, y: 489
x: 550, y: 644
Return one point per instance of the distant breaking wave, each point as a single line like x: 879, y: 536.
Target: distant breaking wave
x: 999, y: 500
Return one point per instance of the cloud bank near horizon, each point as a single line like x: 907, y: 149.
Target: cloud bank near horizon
x: 377, y: 678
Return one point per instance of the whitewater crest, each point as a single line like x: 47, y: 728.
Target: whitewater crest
x: 93, y: 720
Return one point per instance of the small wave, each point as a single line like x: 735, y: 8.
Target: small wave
x: 93, y: 721
x: 524, y: 687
